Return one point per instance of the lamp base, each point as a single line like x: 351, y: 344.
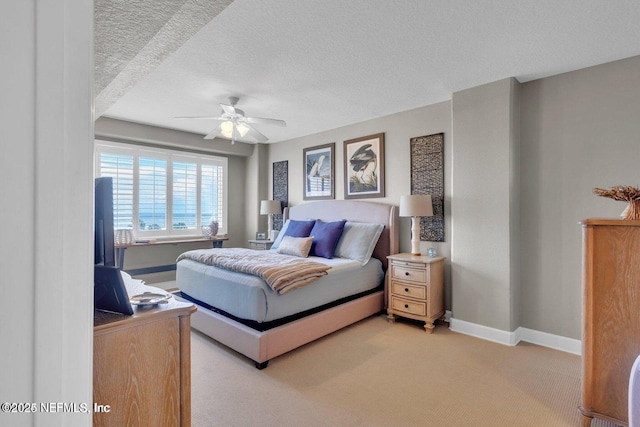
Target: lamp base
x: 415, y: 235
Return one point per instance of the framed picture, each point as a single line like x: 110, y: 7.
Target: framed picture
x: 364, y: 167
x: 261, y: 235
x: 427, y: 177
x: 319, y: 172
x: 280, y: 190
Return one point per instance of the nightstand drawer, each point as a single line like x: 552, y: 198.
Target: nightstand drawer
x: 260, y: 244
x: 413, y: 291
x: 407, y: 306
x: 409, y: 274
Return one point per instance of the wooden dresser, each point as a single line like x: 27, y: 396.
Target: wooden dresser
x: 142, y: 367
x: 415, y: 288
x: 611, y: 316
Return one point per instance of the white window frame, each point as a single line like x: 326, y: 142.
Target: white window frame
x: 170, y: 156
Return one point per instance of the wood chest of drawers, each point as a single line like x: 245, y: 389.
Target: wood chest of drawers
x: 415, y: 288
x: 611, y: 324
x: 142, y: 366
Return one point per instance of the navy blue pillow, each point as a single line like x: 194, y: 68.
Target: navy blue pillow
x: 299, y: 228
x: 325, y: 238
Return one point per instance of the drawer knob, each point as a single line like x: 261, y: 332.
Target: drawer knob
x: 406, y: 306
x: 406, y: 273
x: 406, y: 289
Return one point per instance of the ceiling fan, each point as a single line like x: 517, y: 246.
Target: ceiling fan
x: 235, y: 125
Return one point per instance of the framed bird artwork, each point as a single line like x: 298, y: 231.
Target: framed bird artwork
x: 319, y: 172
x: 364, y: 167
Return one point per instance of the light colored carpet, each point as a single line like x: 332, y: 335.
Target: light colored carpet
x: 375, y: 373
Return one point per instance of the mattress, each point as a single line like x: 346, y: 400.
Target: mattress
x: 248, y: 297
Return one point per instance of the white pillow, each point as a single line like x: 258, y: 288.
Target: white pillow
x: 296, y: 246
x: 358, y: 241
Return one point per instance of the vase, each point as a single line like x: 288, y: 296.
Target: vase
x: 632, y: 211
x: 213, y: 225
x: 123, y: 237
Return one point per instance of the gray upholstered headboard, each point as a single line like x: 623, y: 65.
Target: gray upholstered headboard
x: 356, y: 211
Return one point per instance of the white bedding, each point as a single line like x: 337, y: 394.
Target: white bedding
x: 248, y: 297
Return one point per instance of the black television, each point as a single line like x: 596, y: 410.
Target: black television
x: 103, y: 228
x: 109, y: 291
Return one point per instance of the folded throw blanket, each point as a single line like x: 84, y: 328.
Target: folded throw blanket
x: 281, y: 272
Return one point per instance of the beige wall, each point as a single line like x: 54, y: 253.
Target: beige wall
x: 398, y: 129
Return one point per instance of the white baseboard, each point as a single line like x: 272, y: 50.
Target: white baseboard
x: 544, y: 339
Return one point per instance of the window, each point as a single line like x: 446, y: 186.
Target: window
x: 160, y: 192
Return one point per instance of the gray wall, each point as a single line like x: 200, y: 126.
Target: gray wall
x: 255, y: 190
x: 485, y: 205
x: 580, y: 130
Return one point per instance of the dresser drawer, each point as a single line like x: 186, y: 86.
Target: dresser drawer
x: 407, y: 306
x: 401, y: 272
x: 413, y: 291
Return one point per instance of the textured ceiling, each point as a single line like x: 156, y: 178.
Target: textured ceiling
x: 133, y: 37
x: 320, y: 65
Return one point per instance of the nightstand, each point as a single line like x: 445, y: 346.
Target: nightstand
x: 415, y: 288
x: 261, y: 245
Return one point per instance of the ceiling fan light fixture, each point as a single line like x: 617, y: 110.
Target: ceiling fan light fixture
x: 235, y: 125
x: 242, y: 129
x: 226, y: 129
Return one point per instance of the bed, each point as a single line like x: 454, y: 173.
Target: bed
x: 242, y: 312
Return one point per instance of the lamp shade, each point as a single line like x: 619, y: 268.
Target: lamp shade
x: 416, y: 205
x: 268, y: 207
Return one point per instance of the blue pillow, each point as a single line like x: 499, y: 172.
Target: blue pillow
x: 299, y: 228
x: 325, y: 237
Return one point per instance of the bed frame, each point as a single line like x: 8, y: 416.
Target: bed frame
x: 264, y: 346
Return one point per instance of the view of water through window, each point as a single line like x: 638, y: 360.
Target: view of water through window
x: 155, y: 192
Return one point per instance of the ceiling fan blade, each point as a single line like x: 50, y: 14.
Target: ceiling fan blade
x: 259, y: 120
x: 256, y: 135
x: 198, y: 117
x: 228, y: 109
x: 214, y: 132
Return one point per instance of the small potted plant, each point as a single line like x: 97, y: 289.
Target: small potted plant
x: 624, y: 193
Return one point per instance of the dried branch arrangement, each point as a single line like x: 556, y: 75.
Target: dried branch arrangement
x: 624, y: 193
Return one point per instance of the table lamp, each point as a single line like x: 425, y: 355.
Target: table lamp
x: 270, y: 207
x: 416, y: 205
